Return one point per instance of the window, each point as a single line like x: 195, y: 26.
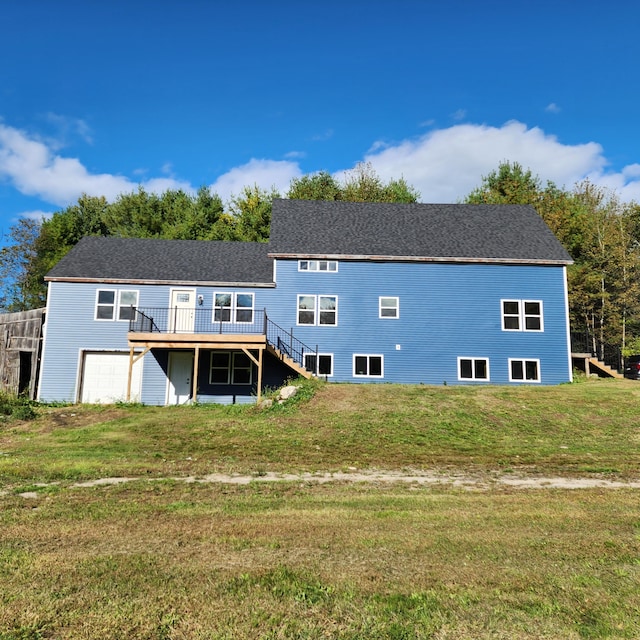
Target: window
x: 115, y: 305
x: 106, y: 305
x: 126, y: 300
x: 230, y: 367
x: 240, y: 368
x: 318, y: 265
x: 522, y: 315
x: 368, y: 366
x: 473, y: 369
x: 389, y: 307
x: 220, y: 361
x: 232, y: 307
x: 321, y: 310
x: 324, y: 365
x: 524, y: 370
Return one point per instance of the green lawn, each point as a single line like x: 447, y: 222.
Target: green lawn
x: 159, y: 558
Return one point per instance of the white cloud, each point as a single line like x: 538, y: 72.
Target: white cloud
x: 443, y: 164
x: 34, y: 169
x: 460, y: 114
x: 552, y: 108
x: 446, y: 164
x: 264, y: 173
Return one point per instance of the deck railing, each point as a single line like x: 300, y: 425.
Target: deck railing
x: 201, y: 320
x: 196, y: 320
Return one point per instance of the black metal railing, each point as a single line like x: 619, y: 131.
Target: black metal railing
x: 610, y: 354
x: 203, y: 320
x: 287, y: 344
x: 196, y: 320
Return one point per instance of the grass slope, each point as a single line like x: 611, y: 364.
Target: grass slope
x: 165, y: 559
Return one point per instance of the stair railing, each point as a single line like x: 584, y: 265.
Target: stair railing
x: 287, y: 344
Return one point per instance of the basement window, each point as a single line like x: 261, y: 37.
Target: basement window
x: 524, y: 370
x: 473, y: 369
x: 368, y: 366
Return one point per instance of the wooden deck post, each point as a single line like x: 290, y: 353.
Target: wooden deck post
x: 194, y: 379
x: 130, y: 374
x: 260, y: 352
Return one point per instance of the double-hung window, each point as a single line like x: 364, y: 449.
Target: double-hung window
x: 230, y: 367
x: 232, y: 307
x: 317, y: 310
x: 112, y: 304
x: 522, y: 315
x: 388, y: 307
x: 524, y: 370
x: 473, y: 369
x: 368, y: 365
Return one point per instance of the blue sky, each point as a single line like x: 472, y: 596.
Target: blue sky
x: 100, y: 97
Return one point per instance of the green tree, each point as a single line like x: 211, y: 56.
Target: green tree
x: 315, y: 186
x: 604, y: 283
x: 509, y: 184
x: 362, y: 184
x: 251, y: 211
x: 16, y: 258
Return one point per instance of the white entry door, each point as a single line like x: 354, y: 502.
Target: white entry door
x: 180, y: 370
x: 182, y: 310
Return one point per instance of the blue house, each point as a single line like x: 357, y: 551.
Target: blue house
x: 351, y: 292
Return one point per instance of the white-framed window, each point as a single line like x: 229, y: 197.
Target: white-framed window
x: 388, y: 307
x: 524, y: 370
x: 233, y: 307
x: 317, y: 310
x: 230, y: 367
x: 368, y: 365
x: 323, y: 366
x: 112, y: 304
x: 473, y: 368
x: 126, y: 300
x: 522, y: 315
x: 330, y: 266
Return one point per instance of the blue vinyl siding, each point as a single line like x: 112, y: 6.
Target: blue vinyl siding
x: 446, y: 311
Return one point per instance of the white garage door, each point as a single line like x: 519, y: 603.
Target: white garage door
x: 104, y: 378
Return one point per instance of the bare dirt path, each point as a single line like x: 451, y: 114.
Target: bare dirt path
x: 480, y: 482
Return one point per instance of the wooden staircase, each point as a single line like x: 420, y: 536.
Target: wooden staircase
x: 591, y: 364
x: 290, y: 362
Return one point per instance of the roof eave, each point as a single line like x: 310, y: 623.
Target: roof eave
x: 143, y: 281
x: 448, y: 259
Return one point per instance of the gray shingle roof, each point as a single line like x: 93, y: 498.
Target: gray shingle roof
x: 505, y: 233
x: 500, y: 233
x: 180, y: 261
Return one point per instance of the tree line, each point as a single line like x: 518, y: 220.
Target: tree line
x: 601, y: 233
